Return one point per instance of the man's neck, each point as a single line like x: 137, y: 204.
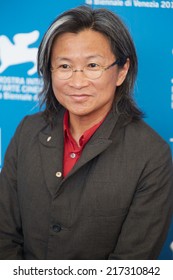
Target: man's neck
x: 79, y: 124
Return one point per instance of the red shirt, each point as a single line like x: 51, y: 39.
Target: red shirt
x: 72, y: 151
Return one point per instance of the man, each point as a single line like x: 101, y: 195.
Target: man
x: 86, y: 178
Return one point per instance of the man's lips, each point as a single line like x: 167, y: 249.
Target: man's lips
x: 79, y: 97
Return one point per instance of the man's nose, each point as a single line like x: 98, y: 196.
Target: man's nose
x: 78, y: 79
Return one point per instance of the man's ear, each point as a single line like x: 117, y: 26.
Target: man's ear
x: 123, y: 72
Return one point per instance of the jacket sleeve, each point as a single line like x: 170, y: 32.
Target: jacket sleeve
x: 11, y: 239
x: 145, y: 228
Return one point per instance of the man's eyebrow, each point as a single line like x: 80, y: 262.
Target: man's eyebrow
x: 59, y: 58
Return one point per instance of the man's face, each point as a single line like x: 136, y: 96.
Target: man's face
x: 82, y: 96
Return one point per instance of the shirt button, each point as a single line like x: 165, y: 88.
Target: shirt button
x: 58, y: 174
x: 56, y: 228
x: 72, y: 155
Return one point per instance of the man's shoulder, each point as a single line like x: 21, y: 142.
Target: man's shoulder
x: 142, y: 135
x: 33, y: 122
x: 36, y: 117
x: 32, y: 125
x: 144, y: 130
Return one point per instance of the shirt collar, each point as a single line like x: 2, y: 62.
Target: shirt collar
x: 84, y: 137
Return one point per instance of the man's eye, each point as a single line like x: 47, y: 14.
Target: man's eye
x: 93, y: 65
x: 64, y: 66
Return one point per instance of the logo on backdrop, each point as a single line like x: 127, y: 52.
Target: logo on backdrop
x: 19, y: 51
x: 14, y: 53
x: 148, y: 4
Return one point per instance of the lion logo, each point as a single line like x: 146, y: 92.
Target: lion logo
x: 19, y: 52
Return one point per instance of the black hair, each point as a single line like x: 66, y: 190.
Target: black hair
x: 122, y: 46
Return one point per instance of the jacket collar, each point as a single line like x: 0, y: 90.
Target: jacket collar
x: 52, y: 146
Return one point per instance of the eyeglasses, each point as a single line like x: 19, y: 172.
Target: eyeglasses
x: 91, y: 71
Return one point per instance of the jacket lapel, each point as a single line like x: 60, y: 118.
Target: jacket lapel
x: 51, y: 149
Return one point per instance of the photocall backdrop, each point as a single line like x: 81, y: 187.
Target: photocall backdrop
x: 22, y: 25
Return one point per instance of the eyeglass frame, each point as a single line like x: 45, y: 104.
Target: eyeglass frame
x: 102, y: 68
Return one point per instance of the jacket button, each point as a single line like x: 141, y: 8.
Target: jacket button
x: 58, y: 174
x: 56, y: 228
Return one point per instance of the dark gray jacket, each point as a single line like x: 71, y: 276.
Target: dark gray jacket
x: 116, y: 202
